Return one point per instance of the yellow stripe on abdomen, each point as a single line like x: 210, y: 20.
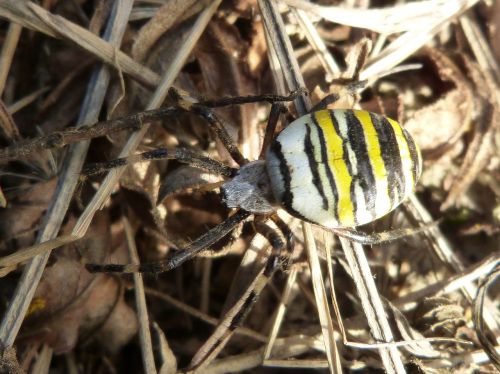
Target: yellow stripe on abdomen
x: 382, y: 201
x: 338, y: 166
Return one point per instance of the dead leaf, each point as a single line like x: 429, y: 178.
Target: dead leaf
x: 70, y: 302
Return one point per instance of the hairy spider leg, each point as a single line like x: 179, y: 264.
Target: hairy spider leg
x: 71, y: 135
x: 180, y: 154
x: 383, y: 236
x: 240, y: 310
x: 181, y: 256
x: 274, y: 115
x: 263, y: 98
x: 287, y: 233
x: 216, y: 124
x: 323, y: 104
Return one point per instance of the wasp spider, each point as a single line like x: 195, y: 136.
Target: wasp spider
x: 334, y: 168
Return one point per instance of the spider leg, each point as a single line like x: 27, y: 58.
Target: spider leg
x: 180, y: 154
x: 204, y: 110
x: 323, y: 104
x: 59, y: 139
x: 179, y: 257
x: 238, y: 100
x: 381, y: 237
x: 272, y: 123
x: 240, y: 310
x: 287, y: 233
x: 216, y: 124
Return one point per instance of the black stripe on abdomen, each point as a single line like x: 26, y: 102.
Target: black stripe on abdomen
x: 415, y: 169
x: 365, y: 176
x: 314, y: 166
x: 346, y: 160
x: 287, y: 198
x: 389, y: 149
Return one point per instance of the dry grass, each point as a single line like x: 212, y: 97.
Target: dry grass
x: 428, y: 302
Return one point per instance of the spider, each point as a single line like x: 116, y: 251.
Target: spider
x: 334, y: 168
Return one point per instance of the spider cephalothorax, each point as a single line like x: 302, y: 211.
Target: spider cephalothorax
x: 250, y: 189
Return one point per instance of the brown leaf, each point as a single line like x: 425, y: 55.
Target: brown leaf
x: 166, y: 17
x: 184, y: 178
x: 222, y: 55
x: 450, y: 112
x: 70, y: 302
x: 25, y: 211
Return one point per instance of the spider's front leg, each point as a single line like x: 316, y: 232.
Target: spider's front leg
x: 180, y: 154
x: 205, y: 110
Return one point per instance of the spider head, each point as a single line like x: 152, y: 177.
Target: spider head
x: 249, y: 189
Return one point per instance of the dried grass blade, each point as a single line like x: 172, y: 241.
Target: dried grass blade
x: 488, y: 346
x: 284, y: 348
x: 7, y: 54
x: 14, y: 315
x: 35, y: 250
x: 8, y: 126
x: 409, y: 42
x: 444, y: 252
x: 157, y: 99
x: 280, y: 313
x: 331, y: 67
x: 389, y: 20
x: 140, y: 301
x: 43, y: 360
x: 322, y: 301
x: 372, y: 304
x: 36, y: 18
x: 168, y: 359
x: 449, y: 285
x: 202, y: 316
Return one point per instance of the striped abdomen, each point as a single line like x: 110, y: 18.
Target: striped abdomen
x: 342, y: 168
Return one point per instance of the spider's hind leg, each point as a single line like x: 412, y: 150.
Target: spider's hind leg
x: 237, y: 314
x: 382, y: 237
x: 178, y: 258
